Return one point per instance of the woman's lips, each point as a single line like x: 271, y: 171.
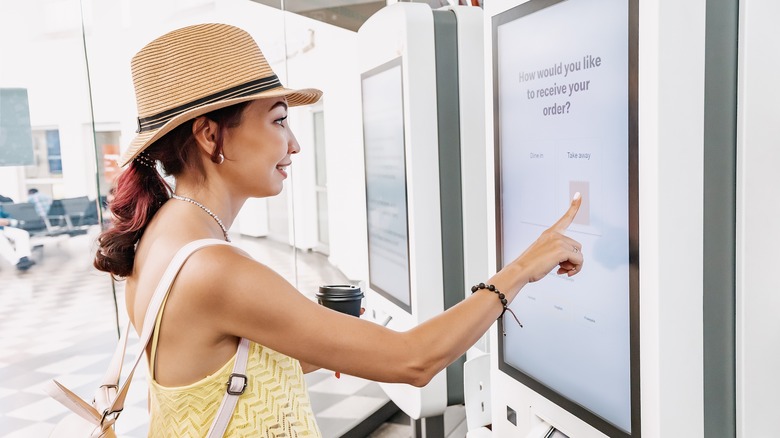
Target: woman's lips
x: 282, y: 168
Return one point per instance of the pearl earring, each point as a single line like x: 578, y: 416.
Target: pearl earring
x: 221, y: 159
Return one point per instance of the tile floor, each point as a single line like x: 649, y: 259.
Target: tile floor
x: 58, y: 320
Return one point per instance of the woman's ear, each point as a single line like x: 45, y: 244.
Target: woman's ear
x: 204, y: 130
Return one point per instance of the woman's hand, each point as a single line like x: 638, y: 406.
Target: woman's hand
x: 553, y: 249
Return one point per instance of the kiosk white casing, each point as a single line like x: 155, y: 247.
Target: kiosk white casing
x: 408, y: 31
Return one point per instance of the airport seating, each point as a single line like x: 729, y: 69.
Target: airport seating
x: 79, y: 212
x: 29, y: 219
x: 71, y: 216
x: 56, y: 214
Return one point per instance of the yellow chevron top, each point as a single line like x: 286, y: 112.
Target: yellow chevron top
x: 275, y: 403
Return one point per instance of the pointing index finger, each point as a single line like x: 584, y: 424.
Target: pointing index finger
x: 567, y: 218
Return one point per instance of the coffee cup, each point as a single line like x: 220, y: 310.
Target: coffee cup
x: 344, y: 298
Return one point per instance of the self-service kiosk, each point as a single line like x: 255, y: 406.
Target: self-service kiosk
x: 422, y: 80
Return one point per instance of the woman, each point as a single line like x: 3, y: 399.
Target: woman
x: 213, y: 115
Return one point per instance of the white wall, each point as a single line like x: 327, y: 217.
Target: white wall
x: 12, y: 183
x: 758, y: 287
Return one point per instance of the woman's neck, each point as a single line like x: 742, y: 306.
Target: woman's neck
x: 217, y: 201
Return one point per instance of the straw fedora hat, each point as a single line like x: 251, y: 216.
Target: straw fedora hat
x: 197, y: 69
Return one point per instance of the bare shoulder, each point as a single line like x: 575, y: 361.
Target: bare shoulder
x: 235, y: 295
x: 198, y: 283
x: 218, y: 278
x: 217, y: 267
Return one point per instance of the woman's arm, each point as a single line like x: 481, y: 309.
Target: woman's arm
x: 250, y: 300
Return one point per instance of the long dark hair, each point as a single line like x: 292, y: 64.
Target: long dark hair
x: 141, y: 190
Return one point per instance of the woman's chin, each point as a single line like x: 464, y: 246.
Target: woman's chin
x: 268, y: 192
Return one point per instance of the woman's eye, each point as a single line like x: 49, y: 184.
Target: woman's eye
x: 280, y: 121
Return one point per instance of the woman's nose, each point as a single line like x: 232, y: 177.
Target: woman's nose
x: 293, y: 147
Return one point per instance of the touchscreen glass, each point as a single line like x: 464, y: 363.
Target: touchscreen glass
x: 383, y: 133
x: 563, y: 127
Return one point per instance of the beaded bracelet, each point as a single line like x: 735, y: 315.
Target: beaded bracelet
x: 501, y: 297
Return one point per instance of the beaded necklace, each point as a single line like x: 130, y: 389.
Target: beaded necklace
x: 203, y: 207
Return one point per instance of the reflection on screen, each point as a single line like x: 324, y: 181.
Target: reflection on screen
x: 563, y: 128
x: 383, y: 134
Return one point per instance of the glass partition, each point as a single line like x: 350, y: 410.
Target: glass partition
x: 58, y: 315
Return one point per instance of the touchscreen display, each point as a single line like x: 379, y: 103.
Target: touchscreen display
x: 383, y: 135
x: 563, y: 127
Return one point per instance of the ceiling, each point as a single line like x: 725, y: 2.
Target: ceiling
x: 347, y: 14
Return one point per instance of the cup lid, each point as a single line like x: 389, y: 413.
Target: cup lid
x: 339, y: 290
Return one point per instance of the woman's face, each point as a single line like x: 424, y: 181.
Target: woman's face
x: 258, y: 151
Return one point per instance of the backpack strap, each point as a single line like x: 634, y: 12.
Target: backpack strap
x: 110, y: 397
x: 236, y: 385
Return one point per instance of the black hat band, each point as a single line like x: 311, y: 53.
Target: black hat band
x: 247, y: 89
